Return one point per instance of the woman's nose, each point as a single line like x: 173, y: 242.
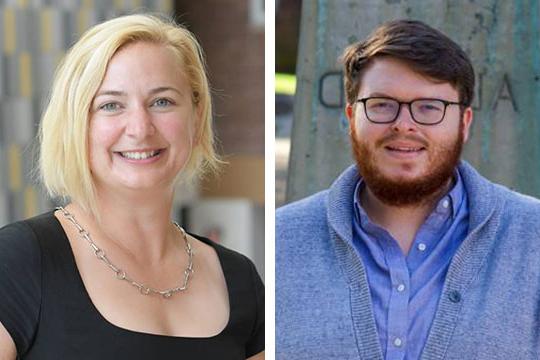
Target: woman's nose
x: 140, y: 123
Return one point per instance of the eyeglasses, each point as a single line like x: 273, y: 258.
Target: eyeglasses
x: 384, y: 110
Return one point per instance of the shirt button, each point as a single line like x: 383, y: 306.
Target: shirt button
x: 422, y: 247
x: 398, y: 342
x: 454, y: 296
x: 445, y: 204
x: 400, y: 287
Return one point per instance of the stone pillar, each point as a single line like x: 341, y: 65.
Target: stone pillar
x: 502, y: 38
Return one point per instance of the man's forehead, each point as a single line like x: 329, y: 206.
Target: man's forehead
x: 385, y: 74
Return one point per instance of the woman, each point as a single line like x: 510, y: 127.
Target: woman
x: 109, y: 276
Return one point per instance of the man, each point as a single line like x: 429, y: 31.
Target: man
x: 410, y: 254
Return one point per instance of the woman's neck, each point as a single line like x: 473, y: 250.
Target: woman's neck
x: 139, y: 225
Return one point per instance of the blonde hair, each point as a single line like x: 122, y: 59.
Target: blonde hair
x: 63, y: 160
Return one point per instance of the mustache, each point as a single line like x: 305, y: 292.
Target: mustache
x: 395, y: 137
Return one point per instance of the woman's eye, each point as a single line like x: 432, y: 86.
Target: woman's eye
x: 109, y: 106
x: 162, y: 102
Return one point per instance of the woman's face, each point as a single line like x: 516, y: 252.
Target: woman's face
x: 141, y: 120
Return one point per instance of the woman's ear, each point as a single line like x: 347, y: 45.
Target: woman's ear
x: 197, y: 123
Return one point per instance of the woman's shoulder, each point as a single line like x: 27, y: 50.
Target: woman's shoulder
x: 25, y: 237
x: 20, y: 239
x: 20, y: 277
x: 230, y: 260
x: 28, y: 227
x: 247, y: 290
x: 21, y: 247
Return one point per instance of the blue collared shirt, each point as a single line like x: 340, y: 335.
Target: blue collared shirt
x: 405, y: 289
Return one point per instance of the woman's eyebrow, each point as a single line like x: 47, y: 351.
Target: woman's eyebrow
x: 111, y: 92
x: 165, y: 88
x: 151, y: 92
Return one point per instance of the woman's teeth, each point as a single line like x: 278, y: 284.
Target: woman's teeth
x: 139, y: 155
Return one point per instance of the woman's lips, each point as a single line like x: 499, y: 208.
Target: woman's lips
x: 140, y: 156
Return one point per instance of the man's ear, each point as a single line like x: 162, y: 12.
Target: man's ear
x: 349, y: 112
x: 467, y: 121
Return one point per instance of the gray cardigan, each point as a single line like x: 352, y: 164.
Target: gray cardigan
x: 489, y: 307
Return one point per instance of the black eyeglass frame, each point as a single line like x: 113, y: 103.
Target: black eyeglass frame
x: 409, y: 105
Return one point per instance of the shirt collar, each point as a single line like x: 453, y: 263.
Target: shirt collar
x: 456, y: 193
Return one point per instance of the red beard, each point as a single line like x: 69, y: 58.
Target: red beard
x: 401, y: 192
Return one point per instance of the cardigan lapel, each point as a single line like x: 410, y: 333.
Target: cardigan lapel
x: 485, y: 205
x: 339, y: 213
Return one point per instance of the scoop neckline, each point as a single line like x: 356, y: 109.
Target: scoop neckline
x: 99, y: 316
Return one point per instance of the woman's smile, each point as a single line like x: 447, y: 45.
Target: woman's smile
x: 141, y: 156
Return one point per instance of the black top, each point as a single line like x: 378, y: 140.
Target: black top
x: 45, y: 307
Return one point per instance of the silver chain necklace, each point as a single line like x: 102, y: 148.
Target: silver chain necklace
x: 121, y: 274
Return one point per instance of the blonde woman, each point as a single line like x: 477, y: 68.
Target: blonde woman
x: 109, y: 276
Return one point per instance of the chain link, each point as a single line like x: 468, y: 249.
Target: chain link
x: 121, y: 274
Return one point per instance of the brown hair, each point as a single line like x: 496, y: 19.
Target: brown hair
x: 425, y: 49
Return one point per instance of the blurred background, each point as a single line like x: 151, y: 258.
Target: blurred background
x: 35, y: 34
x: 501, y: 37
x: 288, y: 13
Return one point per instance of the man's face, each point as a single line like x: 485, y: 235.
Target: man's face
x: 406, y: 163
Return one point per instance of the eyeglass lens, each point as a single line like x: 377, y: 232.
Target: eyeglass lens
x: 383, y: 110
